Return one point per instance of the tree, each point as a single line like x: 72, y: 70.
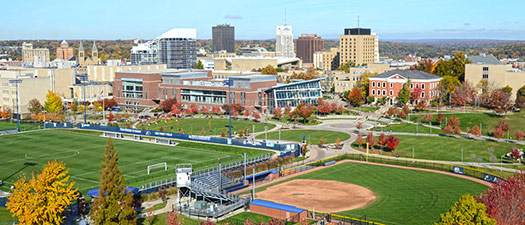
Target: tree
x: 322, y: 141
x: 404, y: 93
x: 448, y: 129
x: 35, y: 106
x: 382, y: 140
x: 198, y: 65
x: 476, y: 131
x: 427, y: 118
x: 370, y: 139
x: 500, y: 101
x: 355, y: 97
x: 173, y: 218
x: 505, y: 200
x: 310, y: 74
x: 277, y: 113
x: 515, y: 153
x: 448, y: 84
x: 304, y: 148
x: 518, y: 134
x: 503, y: 125
x: 498, y: 132
x: 167, y: 104
x: 520, y: 97
x: 53, y: 102
x: 421, y: 105
x: 364, y: 84
x: 111, y: 117
x: 176, y: 109
x: 392, y: 142
x: 416, y: 94
x: 466, y: 211
x: 304, y: 110
x: 359, y: 140
x: 269, y: 70
x: 463, y: 94
x: 457, y: 65
x: 323, y: 106
x: 5, y: 112
x: 440, y: 118
x: 113, y: 205
x: 507, y: 89
x: 256, y: 115
x: 43, y: 199
x: 402, y: 114
x: 391, y: 111
x: 453, y: 121
x: 424, y: 65
x: 442, y: 68
x: 205, y: 110
x: 338, y: 141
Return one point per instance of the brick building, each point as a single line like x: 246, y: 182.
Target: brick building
x: 388, y: 84
x: 307, y: 44
x: 149, y: 88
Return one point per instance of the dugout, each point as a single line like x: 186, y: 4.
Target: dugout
x: 270, y: 175
x: 279, y: 211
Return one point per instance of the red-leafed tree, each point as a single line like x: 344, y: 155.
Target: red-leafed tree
x: 205, y: 110
x: 339, y: 108
x: 421, y: 105
x: 305, y: 111
x: 323, y: 106
x: 188, y: 111
x: 500, y: 101
x: 515, y: 153
x: 355, y: 97
x: 448, y: 129
x: 359, y: 140
x: 173, y: 218
x: 475, y: 130
x: 382, y: 140
x: 194, y: 108
x: 287, y: 109
x: 457, y: 130
x: 277, y: 112
x: 359, y: 125
x: 518, y: 134
x: 463, y: 95
x: 402, y: 114
x: 216, y: 109
x: 167, y: 104
x: 256, y: 115
x: 416, y: 94
x: 370, y: 139
x: 503, y: 125
x: 427, y: 118
x: 391, y: 111
x: 499, y: 133
x: 111, y: 117
x: 392, y: 142
x: 247, y: 112
x: 505, y: 201
x: 440, y: 118
x: 176, y: 109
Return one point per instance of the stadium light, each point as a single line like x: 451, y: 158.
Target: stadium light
x: 16, y: 82
x: 229, y: 83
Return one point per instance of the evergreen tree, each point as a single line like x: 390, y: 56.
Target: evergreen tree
x: 404, y: 93
x: 113, y: 205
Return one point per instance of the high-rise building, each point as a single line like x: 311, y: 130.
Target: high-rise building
x: 358, y: 45
x: 284, y: 41
x: 64, y: 51
x: 326, y: 60
x: 223, y: 38
x: 176, y: 48
x: 307, y: 44
x: 30, y: 54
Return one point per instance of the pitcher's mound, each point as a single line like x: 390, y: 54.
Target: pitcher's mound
x: 324, y: 195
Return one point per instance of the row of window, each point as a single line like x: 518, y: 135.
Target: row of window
x: 432, y: 85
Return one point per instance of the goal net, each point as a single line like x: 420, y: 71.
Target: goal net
x: 157, y: 166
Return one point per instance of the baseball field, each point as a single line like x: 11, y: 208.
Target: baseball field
x: 400, y: 195
x: 82, y: 151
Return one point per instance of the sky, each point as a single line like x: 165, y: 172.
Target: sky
x: 257, y: 19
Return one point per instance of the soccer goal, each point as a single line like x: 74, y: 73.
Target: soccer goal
x: 156, y: 166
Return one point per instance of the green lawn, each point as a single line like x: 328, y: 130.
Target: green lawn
x: 448, y: 149
x: 161, y: 220
x: 488, y: 121
x: 403, y: 196
x: 242, y: 217
x: 82, y: 153
x: 195, y: 126
x: 311, y: 135
x: 5, y: 216
x: 409, y: 128
x: 6, y: 125
x: 366, y: 108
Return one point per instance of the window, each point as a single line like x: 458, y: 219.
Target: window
x: 417, y: 85
x: 391, y: 93
x: 411, y: 86
x: 391, y: 85
x: 485, y: 69
x: 485, y: 76
x: 422, y: 94
x: 384, y: 84
x: 373, y: 84
x: 423, y: 86
x: 373, y: 92
x: 384, y: 92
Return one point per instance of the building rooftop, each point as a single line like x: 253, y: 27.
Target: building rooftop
x: 412, y: 74
x: 179, y: 33
x: 485, y: 59
x: 274, y: 205
x: 254, y: 78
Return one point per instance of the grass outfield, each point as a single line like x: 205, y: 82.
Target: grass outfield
x: 403, y: 196
x: 195, y: 126
x: 83, y: 152
x: 6, y: 125
x: 311, y: 135
x: 447, y: 149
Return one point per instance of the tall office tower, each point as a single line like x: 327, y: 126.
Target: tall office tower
x: 176, y: 48
x: 307, y: 45
x: 223, y: 38
x: 284, y: 41
x: 358, y: 45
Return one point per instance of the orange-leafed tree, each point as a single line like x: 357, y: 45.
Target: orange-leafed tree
x: 277, y: 112
x: 518, y: 134
x: 111, y: 117
x: 382, y: 140
x: 498, y: 132
x: 44, y: 198
x: 359, y: 140
x: 505, y: 201
x: 475, y: 130
x: 392, y: 142
x: 355, y: 97
x: 173, y: 218
x: 370, y: 139
x: 256, y: 115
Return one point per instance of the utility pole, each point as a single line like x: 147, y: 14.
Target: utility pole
x: 253, y: 186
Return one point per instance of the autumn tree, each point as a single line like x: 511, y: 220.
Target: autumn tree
x: 370, y: 139
x: 198, y: 65
x: 35, y: 106
x: 424, y: 65
x: 503, y: 125
x: 500, y: 101
x: 269, y: 70
x: 277, y: 113
x: 391, y: 111
x: 323, y: 106
x: 505, y: 200
x: 53, y: 102
x: 176, y: 109
x: 498, y: 132
x: 440, y: 118
x: 404, y: 93
x: 111, y: 117
x: 392, y: 142
x: 382, y: 140
x: 421, y: 105
x: 475, y: 130
x: 172, y: 218
x: 416, y: 94
x: 113, y: 205
x: 453, y: 125
x: 518, y: 134
x: 359, y: 140
x: 427, y: 118
x: 304, y: 110
x: 520, y: 98
x: 310, y: 74
x: 45, y: 197
x: 466, y: 211
x: 256, y: 115
x: 167, y: 104
x: 355, y: 97
x: 322, y: 141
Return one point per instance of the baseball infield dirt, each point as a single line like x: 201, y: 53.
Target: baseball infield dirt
x: 324, y: 195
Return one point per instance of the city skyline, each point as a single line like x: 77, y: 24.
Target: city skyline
x: 407, y: 19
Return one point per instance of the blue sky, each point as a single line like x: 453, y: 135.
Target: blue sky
x: 256, y: 19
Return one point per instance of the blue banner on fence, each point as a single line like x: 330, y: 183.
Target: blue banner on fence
x: 457, y: 169
x: 218, y: 140
x: 58, y: 125
x: 491, y: 178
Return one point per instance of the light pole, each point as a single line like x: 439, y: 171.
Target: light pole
x: 83, y: 79
x: 229, y: 83
x: 16, y: 82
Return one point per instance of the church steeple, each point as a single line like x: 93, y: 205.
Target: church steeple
x: 81, y: 54
x: 94, y: 53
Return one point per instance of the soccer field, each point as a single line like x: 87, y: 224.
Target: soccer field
x: 83, y: 152
x: 403, y: 196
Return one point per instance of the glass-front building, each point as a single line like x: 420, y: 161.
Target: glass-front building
x: 203, y: 96
x: 132, y: 88
x: 294, y: 93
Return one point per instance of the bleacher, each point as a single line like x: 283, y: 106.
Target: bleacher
x: 211, y: 181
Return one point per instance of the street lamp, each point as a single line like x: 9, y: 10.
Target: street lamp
x: 84, y: 79
x: 16, y: 82
x: 229, y: 83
